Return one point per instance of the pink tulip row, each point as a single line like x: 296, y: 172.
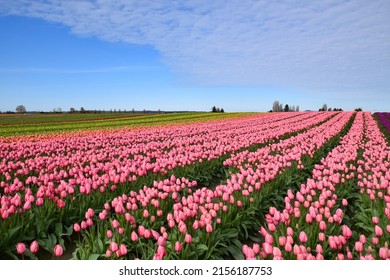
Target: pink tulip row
x: 202, y: 209
x: 374, y: 182
x: 311, y: 224
x: 290, y: 149
x: 57, y: 169
x: 135, y: 218
x: 310, y: 208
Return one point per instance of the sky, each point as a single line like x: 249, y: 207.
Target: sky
x: 240, y: 55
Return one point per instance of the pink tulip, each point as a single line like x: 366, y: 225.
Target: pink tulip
x: 319, y: 249
x: 147, y: 233
x: 34, y: 247
x: 288, y: 247
x: 161, y: 241
x: 302, y: 237
x: 347, y: 233
x: 188, y: 238
x: 109, y: 233
x: 58, y: 250
x: 123, y: 249
x: 161, y: 251
x: 256, y: 248
x: 359, y: 246
x: 76, y: 227
x: 141, y: 231
x: 209, y: 228
x: 134, y: 236
x: 276, y: 252
x: 268, y: 249
x: 271, y: 227
x: 384, y: 253
x: 113, y: 246
x: 375, y: 220
x: 115, y: 224
x: 20, y: 248
x: 269, y: 239
x: 378, y: 230
x: 83, y: 225
x: 178, y: 246
x: 282, y: 240
x: 340, y: 256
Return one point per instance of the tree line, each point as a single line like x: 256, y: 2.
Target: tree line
x: 278, y: 107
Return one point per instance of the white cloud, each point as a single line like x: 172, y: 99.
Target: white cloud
x: 340, y: 46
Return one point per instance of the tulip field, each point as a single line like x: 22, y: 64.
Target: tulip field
x: 270, y: 186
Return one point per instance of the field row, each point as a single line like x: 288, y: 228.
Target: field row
x: 293, y: 186
x: 36, y: 125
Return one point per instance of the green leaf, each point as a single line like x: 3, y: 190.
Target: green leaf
x: 93, y: 256
x: 232, y: 233
x: 11, y: 233
x: 245, y: 230
x: 99, y: 245
x: 58, y: 229
x: 236, y: 252
x: 202, y: 247
x: 237, y: 243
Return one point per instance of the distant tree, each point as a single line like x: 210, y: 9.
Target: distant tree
x: 222, y: 110
x: 323, y: 108
x: 144, y: 110
x: 292, y: 109
x: 286, y: 108
x: 133, y: 110
x: 358, y: 109
x: 57, y: 110
x: 20, y: 109
x: 280, y: 107
x: 72, y: 110
x: 82, y: 110
x: 275, y: 106
x: 329, y: 109
x: 159, y: 111
x: 297, y: 109
x: 214, y: 109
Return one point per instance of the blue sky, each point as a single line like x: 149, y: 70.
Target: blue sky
x: 191, y: 55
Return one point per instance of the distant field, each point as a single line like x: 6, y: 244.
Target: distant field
x: 29, y: 124
x: 13, y: 119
